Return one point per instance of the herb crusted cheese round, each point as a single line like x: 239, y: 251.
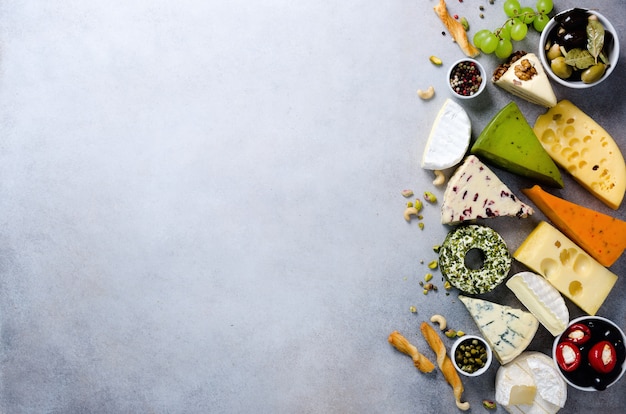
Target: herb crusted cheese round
x: 496, y: 259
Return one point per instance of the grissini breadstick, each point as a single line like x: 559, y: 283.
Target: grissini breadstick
x: 456, y: 29
x: 403, y: 345
x: 445, y: 364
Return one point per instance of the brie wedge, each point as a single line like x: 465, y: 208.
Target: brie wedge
x: 449, y: 138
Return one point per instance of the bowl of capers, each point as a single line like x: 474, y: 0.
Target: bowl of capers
x: 471, y: 355
x: 579, y: 48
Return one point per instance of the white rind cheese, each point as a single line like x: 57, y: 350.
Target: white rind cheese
x: 537, y: 89
x: 474, y: 191
x: 508, y: 331
x: 542, y: 300
x: 530, y: 384
x: 449, y: 137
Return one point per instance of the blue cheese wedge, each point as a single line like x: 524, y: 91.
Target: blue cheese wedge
x: 508, y: 330
x: 475, y: 192
x: 542, y: 299
x: 449, y: 138
x: 523, y: 76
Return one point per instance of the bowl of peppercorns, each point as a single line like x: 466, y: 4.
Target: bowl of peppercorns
x: 466, y: 78
x: 471, y: 355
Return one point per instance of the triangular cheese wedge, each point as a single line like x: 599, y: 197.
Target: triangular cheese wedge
x: 449, y: 137
x: 600, y: 235
x: 509, y: 331
x: 582, y: 147
x: 475, y: 192
x: 509, y: 142
x: 523, y: 76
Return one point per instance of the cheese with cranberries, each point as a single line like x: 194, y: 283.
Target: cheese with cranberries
x: 475, y: 192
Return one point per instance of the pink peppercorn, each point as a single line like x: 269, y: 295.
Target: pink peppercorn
x: 465, y: 78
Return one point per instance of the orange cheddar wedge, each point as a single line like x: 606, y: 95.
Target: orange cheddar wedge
x: 600, y: 235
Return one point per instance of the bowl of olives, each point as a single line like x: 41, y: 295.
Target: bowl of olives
x: 590, y: 354
x: 579, y: 48
x: 471, y: 355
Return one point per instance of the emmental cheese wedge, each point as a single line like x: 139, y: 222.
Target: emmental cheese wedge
x: 600, y: 235
x: 567, y: 267
x: 578, y: 144
x: 508, y: 331
x: 541, y: 299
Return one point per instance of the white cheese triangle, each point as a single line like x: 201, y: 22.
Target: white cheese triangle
x: 449, y: 137
x: 542, y: 299
x: 537, y: 89
x: 507, y: 330
x: 474, y: 191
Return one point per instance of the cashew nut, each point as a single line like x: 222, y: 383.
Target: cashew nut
x: 427, y: 94
x: 410, y: 211
x: 440, y: 178
x: 440, y: 320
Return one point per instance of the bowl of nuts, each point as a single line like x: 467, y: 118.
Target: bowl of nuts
x: 590, y: 354
x: 471, y: 355
x: 466, y: 78
x: 579, y: 48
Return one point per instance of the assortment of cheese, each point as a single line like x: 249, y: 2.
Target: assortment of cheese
x: 568, y: 258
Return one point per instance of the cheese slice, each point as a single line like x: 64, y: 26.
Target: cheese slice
x: 600, y: 235
x: 508, y: 142
x: 449, y: 137
x: 567, y: 267
x: 524, y: 77
x: 530, y: 384
x: 541, y: 299
x: 587, y: 151
x: 508, y: 331
x: 474, y: 192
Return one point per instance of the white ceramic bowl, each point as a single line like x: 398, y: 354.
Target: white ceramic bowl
x: 604, y: 325
x: 483, y: 78
x: 463, y: 339
x: 613, y: 55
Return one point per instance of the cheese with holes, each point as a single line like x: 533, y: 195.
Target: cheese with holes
x: 600, y: 235
x: 541, y: 299
x: 578, y: 144
x: 530, y: 384
x: 508, y: 331
x: 474, y: 191
x: 567, y: 267
x: 449, y: 137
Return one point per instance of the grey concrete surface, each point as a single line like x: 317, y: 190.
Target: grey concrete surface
x: 200, y: 206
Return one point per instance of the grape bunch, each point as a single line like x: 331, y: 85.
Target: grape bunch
x: 514, y: 28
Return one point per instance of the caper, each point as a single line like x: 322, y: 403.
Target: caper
x: 593, y: 73
x: 554, y: 52
x: 560, y: 68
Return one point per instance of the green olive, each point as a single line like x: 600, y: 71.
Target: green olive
x: 593, y: 73
x: 554, y: 52
x: 560, y: 68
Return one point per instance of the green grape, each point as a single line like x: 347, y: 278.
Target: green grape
x: 527, y: 15
x: 518, y: 31
x: 511, y: 7
x: 544, y: 6
x: 540, y: 22
x: 504, y: 32
x: 480, y: 36
x: 504, y: 48
x: 489, y: 43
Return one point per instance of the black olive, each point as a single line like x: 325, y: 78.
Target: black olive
x: 573, y: 19
x: 575, y: 39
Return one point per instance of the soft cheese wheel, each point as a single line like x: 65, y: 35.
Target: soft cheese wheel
x: 530, y: 384
x: 449, y: 137
x: 541, y: 299
x: 581, y: 146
